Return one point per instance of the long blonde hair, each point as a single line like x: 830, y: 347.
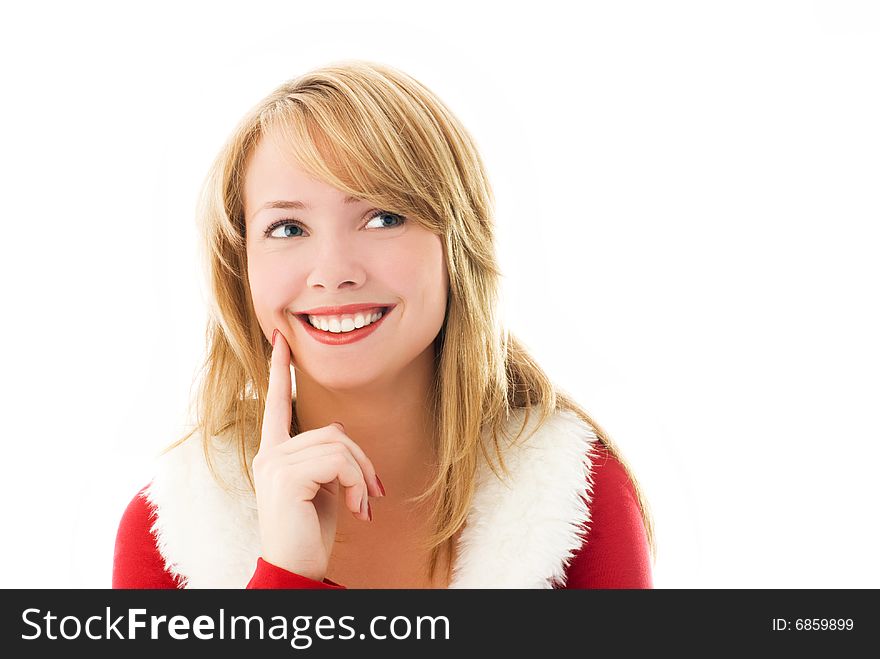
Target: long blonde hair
x: 374, y: 132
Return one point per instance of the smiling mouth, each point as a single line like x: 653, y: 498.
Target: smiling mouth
x: 304, y: 318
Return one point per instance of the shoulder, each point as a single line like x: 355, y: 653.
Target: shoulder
x: 137, y: 562
x: 137, y: 519
x: 615, y: 552
x: 138, y: 512
x: 608, y: 475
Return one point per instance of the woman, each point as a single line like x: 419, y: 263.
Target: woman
x: 348, y: 229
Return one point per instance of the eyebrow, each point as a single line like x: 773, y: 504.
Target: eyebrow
x: 282, y: 203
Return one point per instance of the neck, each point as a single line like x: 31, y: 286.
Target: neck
x: 389, y: 419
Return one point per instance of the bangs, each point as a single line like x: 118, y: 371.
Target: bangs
x: 363, y: 156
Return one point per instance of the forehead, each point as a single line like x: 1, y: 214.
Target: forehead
x: 268, y: 168
x: 272, y: 174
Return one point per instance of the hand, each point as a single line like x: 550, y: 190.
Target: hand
x: 297, y: 480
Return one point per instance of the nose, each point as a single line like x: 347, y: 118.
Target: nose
x: 336, y: 266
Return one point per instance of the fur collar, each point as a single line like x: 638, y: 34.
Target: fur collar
x: 519, y: 534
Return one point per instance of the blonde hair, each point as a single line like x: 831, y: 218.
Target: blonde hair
x: 374, y: 132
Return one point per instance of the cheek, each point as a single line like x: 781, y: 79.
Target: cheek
x: 271, y: 285
x: 418, y: 273
x: 401, y: 269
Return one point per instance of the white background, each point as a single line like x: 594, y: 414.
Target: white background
x: 688, y: 207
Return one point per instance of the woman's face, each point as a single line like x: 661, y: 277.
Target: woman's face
x: 334, y: 252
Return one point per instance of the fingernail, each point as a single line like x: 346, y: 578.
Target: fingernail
x: 381, y: 487
x: 341, y: 427
x: 274, y: 334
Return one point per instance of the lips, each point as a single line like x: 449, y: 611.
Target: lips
x: 342, y: 338
x: 344, y: 309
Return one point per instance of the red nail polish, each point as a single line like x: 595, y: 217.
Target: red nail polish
x: 381, y: 487
x: 274, y: 334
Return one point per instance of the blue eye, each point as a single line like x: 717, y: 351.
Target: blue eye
x: 290, y: 222
x: 387, y: 214
x: 285, y: 223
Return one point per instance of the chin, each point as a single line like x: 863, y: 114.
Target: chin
x: 346, y: 378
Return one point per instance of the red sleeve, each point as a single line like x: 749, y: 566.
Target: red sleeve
x: 615, y: 553
x: 137, y: 562
x: 268, y: 575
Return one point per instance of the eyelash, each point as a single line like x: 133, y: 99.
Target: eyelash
x: 287, y: 220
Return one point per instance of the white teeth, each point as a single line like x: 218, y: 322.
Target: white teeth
x: 345, y: 323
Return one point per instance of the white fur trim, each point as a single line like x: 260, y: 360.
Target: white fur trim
x: 523, y: 534
x: 207, y: 537
x: 520, y: 533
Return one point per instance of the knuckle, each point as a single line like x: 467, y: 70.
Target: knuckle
x: 339, y: 460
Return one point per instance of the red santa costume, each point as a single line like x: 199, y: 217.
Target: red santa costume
x: 567, y: 518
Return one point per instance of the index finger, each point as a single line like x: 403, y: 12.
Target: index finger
x: 279, y: 398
